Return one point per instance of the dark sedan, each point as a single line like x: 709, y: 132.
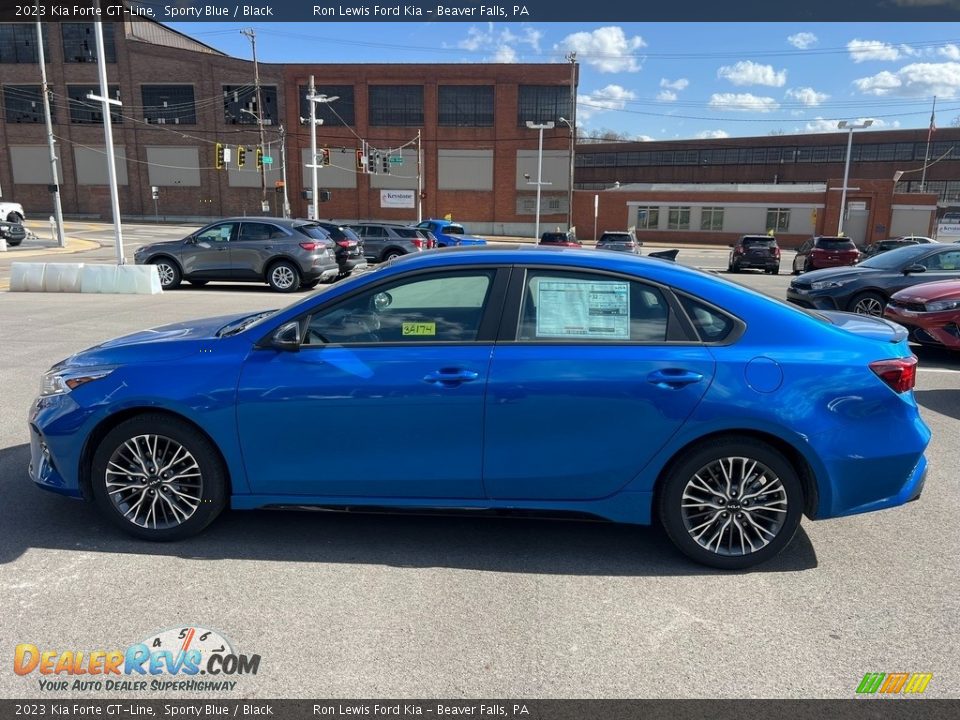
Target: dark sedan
x: 866, y: 288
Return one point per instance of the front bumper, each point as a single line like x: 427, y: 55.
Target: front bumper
x: 931, y: 328
x: 814, y: 299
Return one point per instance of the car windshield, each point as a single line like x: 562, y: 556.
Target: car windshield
x: 232, y: 328
x: 895, y: 258
x: 835, y: 244
x: 453, y: 230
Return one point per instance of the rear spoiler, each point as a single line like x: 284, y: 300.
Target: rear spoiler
x: 670, y: 255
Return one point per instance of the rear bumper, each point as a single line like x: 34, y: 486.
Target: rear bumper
x: 761, y: 263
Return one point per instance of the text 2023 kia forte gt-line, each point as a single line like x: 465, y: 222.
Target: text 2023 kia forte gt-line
x: 734, y: 413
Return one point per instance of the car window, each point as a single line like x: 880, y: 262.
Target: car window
x: 947, y: 260
x: 407, y: 232
x: 438, y: 308
x: 453, y: 230
x: 313, y: 231
x: 835, y: 244
x: 253, y: 231
x: 372, y: 231
x: 581, y: 306
x: 761, y: 242
x: 711, y: 325
x: 217, y: 234
x: 805, y: 247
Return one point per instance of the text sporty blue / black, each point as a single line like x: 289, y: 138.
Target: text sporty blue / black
x: 550, y: 380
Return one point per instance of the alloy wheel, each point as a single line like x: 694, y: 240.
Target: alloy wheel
x: 166, y: 273
x: 282, y: 277
x: 869, y: 306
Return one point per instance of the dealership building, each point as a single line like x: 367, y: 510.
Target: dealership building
x: 395, y: 141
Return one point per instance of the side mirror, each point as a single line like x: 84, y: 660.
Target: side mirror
x: 192, y: 240
x: 287, y: 337
x: 911, y: 269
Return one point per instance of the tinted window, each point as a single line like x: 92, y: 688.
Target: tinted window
x: 761, y: 242
x: 217, y: 233
x: 580, y: 306
x: 948, y: 260
x: 313, y: 231
x: 711, y: 325
x: 895, y: 258
x: 453, y: 230
x: 835, y: 244
x: 259, y: 231
x: 407, y: 232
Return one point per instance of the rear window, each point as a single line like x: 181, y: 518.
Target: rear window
x: 760, y: 242
x: 407, y: 232
x: 453, y: 230
x: 616, y: 237
x: 835, y: 244
x: 712, y: 325
x: 312, y: 231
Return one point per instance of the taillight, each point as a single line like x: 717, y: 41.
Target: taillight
x: 899, y: 374
x: 776, y: 253
x: 417, y: 242
x: 343, y: 243
x: 739, y: 250
x: 311, y: 246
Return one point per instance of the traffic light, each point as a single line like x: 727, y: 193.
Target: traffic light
x: 259, y: 157
x: 372, y: 161
x: 386, y: 164
x: 241, y: 156
x: 218, y: 163
x: 360, y: 164
x: 326, y: 156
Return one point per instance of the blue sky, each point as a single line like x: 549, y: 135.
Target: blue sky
x: 670, y: 80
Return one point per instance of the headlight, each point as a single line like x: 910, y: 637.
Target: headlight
x: 4, y: 227
x: 827, y: 284
x: 60, y: 382
x: 940, y: 305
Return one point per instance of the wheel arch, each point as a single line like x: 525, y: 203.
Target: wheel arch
x: 278, y: 259
x: 108, y: 423
x: 154, y: 259
x: 808, y: 480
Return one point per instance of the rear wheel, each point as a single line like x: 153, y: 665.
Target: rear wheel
x: 807, y: 265
x: 868, y: 303
x: 169, y: 272
x: 283, y: 277
x: 732, y: 503
x: 157, y: 478
x: 390, y: 255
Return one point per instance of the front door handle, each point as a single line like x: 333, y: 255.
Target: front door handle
x: 673, y: 378
x: 450, y: 377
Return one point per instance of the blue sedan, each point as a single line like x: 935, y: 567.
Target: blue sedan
x: 626, y: 388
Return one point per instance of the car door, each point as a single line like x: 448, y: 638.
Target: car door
x: 593, y: 377
x: 385, y: 397
x: 801, y: 255
x: 374, y: 240
x: 207, y: 254
x: 255, y: 245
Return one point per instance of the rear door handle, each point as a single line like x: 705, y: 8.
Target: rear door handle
x: 673, y: 378
x: 450, y: 377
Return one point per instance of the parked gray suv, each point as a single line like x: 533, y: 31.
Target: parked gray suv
x: 383, y: 241
x: 285, y: 254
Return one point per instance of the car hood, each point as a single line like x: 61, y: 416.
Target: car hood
x: 162, y: 245
x: 159, y: 344
x: 838, y: 273
x: 942, y: 290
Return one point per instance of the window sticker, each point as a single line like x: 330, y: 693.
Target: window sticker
x: 425, y: 329
x: 583, y: 309
x: 225, y: 232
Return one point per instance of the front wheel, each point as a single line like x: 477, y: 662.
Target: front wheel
x: 868, y: 303
x: 284, y: 277
x: 733, y: 503
x: 157, y: 478
x: 169, y: 272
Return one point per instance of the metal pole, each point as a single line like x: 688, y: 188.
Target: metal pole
x: 419, y: 179
x: 283, y: 167
x: 926, y: 157
x: 313, y: 151
x: 846, y: 175
x: 536, y: 233
x: 108, y: 136
x: 264, y: 205
x: 572, y: 57
x: 57, y: 208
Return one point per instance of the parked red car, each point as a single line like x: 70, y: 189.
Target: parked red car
x: 930, y: 312
x: 824, y: 252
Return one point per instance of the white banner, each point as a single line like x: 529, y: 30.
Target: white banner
x: 398, y: 198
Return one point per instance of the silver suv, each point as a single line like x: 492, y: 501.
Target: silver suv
x: 383, y: 241
x: 285, y: 254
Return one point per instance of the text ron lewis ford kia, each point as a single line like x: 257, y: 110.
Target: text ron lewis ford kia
x: 551, y: 380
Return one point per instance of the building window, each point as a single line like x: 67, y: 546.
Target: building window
x: 240, y: 104
x: 84, y: 111
x: 18, y: 43
x: 778, y: 219
x: 337, y: 113
x: 543, y: 103
x: 678, y: 218
x: 23, y: 104
x: 648, y: 218
x: 396, y: 105
x: 169, y: 104
x: 80, y: 43
x: 711, y: 218
x: 465, y: 106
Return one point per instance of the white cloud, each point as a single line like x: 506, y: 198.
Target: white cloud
x: 822, y: 125
x: 747, y: 72
x: 951, y: 52
x: 612, y: 97
x: 607, y: 49
x: 864, y: 50
x: 806, y: 96
x: 742, y: 101
x: 667, y: 96
x: 802, y: 40
x: 712, y: 134
x: 915, y: 80
x: 501, y: 44
x: 643, y: 138
x: 680, y: 84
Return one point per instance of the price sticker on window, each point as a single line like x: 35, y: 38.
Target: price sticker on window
x: 421, y: 329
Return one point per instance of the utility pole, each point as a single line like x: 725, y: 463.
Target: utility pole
x: 57, y: 208
x: 264, y: 205
x: 313, y: 99
x: 283, y: 167
x: 926, y: 156
x: 106, y: 102
x: 541, y: 127
x: 419, y: 179
x: 572, y: 58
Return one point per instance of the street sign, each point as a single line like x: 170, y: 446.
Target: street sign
x: 396, y: 160
x: 267, y: 160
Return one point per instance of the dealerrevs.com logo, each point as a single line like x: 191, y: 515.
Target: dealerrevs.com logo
x: 189, y: 658
x: 893, y: 684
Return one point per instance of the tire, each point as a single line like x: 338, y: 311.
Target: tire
x: 15, y: 218
x: 776, y: 270
x: 735, y: 268
x: 868, y: 303
x: 283, y: 277
x: 14, y: 243
x: 309, y: 285
x: 807, y: 266
x: 169, y: 271
x: 133, y: 446
x: 198, y: 283
x: 390, y: 255
x: 700, y: 477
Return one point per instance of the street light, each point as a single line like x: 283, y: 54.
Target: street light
x: 541, y: 127
x: 843, y: 124
x: 313, y: 99
x: 570, y: 186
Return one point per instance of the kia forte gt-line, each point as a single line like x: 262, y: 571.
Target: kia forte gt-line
x: 735, y: 413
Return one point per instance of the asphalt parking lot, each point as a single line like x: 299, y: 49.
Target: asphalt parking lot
x: 404, y: 606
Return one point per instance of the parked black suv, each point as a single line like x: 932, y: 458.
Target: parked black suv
x: 12, y: 232
x: 755, y: 251
x: 349, y: 246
